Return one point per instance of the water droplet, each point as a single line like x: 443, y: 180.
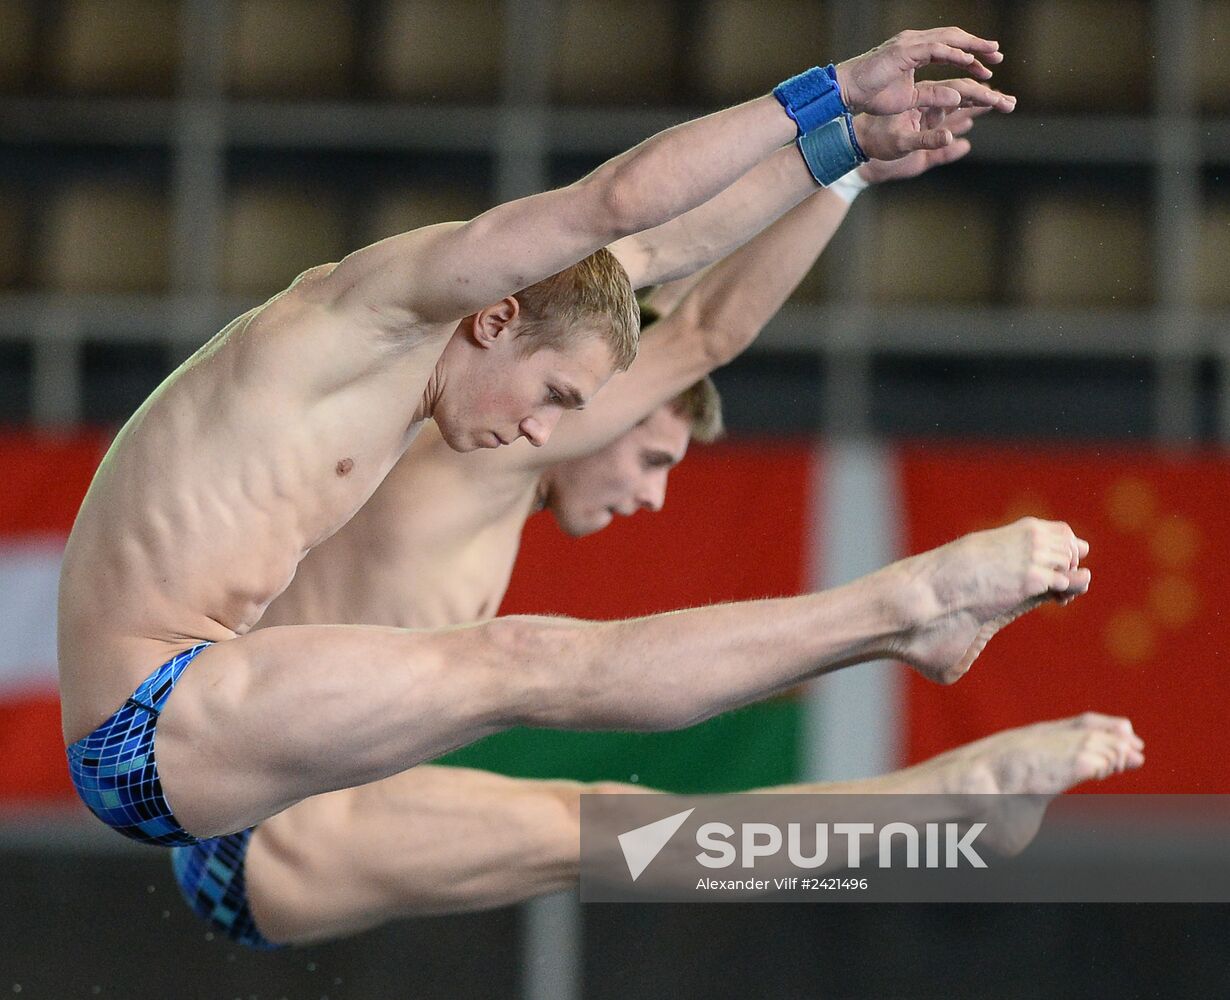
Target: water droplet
x: 311, y: 966
x: 209, y: 935
x: 150, y: 888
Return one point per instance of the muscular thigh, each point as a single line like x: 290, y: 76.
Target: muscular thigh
x: 263, y: 721
x: 429, y: 840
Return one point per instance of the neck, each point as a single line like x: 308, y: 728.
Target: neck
x: 542, y: 490
x: 431, y: 394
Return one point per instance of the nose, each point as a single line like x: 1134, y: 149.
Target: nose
x: 653, y: 495
x: 538, y: 427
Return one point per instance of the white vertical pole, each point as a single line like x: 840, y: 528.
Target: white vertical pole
x: 853, y: 717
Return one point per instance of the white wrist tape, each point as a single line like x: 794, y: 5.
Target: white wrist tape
x: 848, y: 186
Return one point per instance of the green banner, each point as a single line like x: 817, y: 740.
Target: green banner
x: 750, y: 748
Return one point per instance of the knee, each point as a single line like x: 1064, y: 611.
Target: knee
x: 525, y: 640
x: 526, y: 656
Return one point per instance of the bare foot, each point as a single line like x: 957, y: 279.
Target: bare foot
x: 1032, y: 764
x: 962, y: 593
x: 1043, y: 759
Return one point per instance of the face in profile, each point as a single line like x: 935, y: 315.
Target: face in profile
x: 494, y: 391
x: 628, y: 475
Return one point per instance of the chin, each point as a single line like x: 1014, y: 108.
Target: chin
x: 455, y: 441
x: 579, y: 527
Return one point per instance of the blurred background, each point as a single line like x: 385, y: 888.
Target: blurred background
x: 1040, y: 328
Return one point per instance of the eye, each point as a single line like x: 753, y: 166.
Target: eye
x: 553, y: 396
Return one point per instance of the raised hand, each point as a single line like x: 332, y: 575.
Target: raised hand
x: 958, y: 123
x: 931, y: 129
x: 881, y: 82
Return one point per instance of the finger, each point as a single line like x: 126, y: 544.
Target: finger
x: 934, y: 139
x: 987, y: 48
x: 928, y: 53
x: 960, y: 122
x: 936, y: 95
x: 948, y: 154
x: 1082, y: 547
x: 975, y: 94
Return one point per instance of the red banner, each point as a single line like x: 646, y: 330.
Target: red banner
x: 736, y: 526
x: 1147, y: 641
x: 46, y: 477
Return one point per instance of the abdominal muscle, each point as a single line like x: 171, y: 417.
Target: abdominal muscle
x: 210, y: 496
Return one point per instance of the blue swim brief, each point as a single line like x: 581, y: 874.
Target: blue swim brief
x: 211, y: 877
x: 113, y: 768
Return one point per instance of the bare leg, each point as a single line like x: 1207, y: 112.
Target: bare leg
x: 429, y: 840
x: 263, y: 721
x: 445, y: 840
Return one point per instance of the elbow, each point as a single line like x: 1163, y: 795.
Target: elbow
x: 624, y: 205
x: 721, y: 348
x: 722, y: 340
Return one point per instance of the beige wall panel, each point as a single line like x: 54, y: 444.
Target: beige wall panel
x: 433, y: 49
x: 273, y: 234
x: 743, y: 48
x: 1214, y: 55
x: 1083, y: 252
x: 115, y: 46
x: 291, y: 47
x: 17, y: 50
x: 1213, y: 259
x: 1083, y: 55
x: 934, y: 249
x: 402, y: 209
x: 614, y: 50
x: 97, y: 237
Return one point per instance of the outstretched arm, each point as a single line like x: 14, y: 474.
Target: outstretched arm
x: 709, y: 232
x: 719, y: 317
x: 442, y: 273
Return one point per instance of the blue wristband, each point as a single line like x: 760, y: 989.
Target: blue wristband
x: 830, y: 151
x: 811, y: 99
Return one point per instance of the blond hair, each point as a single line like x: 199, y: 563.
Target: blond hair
x: 701, y: 404
x: 593, y: 292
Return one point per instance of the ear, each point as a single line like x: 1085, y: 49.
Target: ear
x: 492, y: 322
